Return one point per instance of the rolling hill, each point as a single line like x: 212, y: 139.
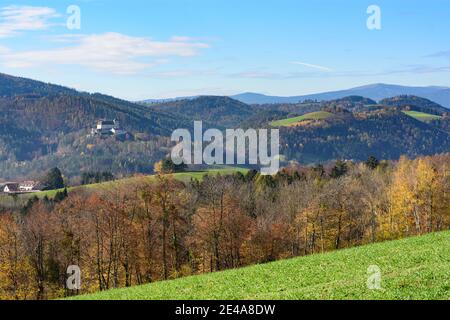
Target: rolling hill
x: 24, y: 101
x: 414, y: 103
x: 413, y: 268
x: 216, y: 110
x: 44, y: 126
x: 385, y: 134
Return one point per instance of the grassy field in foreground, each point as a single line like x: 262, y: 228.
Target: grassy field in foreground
x: 320, y: 115
x: 413, y: 268
x: 421, y: 116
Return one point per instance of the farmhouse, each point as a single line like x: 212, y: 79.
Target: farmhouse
x: 11, y: 188
x: 23, y: 187
x: 27, y: 186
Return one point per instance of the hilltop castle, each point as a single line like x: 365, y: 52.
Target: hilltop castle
x: 108, y: 128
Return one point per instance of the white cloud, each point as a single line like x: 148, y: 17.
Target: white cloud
x: 314, y: 66
x: 110, y: 52
x: 15, y: 19
x: 181, y: 39
x: 4, y: 50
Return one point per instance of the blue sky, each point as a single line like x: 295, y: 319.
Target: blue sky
x: 163, y: 48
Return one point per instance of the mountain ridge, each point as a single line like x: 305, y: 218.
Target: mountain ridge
x: 376, y: 91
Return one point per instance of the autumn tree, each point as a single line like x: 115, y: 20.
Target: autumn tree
x: 16, y: 272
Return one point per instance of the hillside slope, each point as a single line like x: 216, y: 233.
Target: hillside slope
x: 385, y: 134
x: 45, y: 125
x: 415, y: 103
x: 216, y: 110
x: 414, y: 268
x: 24, y: 101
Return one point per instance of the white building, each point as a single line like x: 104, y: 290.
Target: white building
x: 27, y: 186
x: 11, y: 188
x: 108, y: 127
x: 23, y: 187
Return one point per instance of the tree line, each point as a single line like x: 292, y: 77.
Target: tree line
x: 143, y: 232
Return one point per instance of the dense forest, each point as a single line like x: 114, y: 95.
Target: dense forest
x: 79, y: 154
x: 415, y: 103
x: 145, y: 232
x: 31, y: 143
x: 387, y: 134
x: 223, y: 112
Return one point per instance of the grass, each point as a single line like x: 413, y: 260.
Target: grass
x: 421, y: 116
x: 413, y: 268
x: 320, y: 115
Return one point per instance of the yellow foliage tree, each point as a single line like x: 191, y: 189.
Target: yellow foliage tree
x: 402, y: 202
x: 16, y: 273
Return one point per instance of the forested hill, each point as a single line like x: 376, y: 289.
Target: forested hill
x: 217, y: 110
x: 33, y: 113
x: 385, y: 134
x: 416, y: 104
x: 12, y: 86
x: 68, y: 110
x: 71, y: 112
x: 44, y: 125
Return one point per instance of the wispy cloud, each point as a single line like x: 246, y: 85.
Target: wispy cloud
x: 416, y: 69
x: 440, y: 54
x: 188, y: 92
x: 313, y: 66
x: 256, y: 75
x: 16, y: 19
x: 181, y: 73
x: 409, y: 69
x: 110, y: 52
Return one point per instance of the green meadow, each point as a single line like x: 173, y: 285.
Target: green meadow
x: 320, y: 115
x: 412, y: 268
x: 421, y: 116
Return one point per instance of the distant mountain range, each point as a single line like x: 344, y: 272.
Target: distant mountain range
x: 165, y: 100
x: 376, y: 92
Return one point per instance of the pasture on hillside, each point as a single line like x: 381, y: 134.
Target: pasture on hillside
x: 320, y: 115
x: 421, y: 116
x: 412, y: 268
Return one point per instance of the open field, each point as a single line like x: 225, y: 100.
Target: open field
x: 320, y: 115
x: 413, y: 268
x: 421, y: 116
